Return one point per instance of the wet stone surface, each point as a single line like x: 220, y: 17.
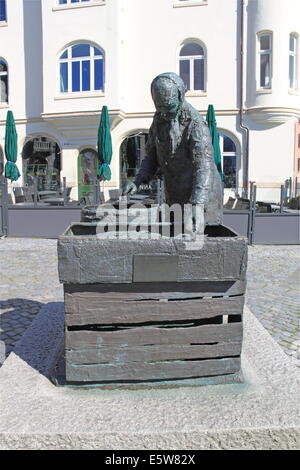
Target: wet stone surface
x: 29, y: 279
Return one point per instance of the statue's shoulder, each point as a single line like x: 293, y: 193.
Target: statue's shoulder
x: 197, y: 123
x: 194, y: 115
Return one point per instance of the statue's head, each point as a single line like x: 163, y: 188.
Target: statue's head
x: 168, y: 91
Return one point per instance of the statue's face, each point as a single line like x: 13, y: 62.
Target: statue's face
x: 166, y: 99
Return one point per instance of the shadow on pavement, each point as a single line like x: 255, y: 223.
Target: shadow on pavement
x: 16, y: 315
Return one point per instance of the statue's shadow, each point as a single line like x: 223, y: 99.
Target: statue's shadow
x: 16, y: 315
x: 41, y: 342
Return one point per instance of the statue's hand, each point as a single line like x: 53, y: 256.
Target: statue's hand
x: 129, y: 188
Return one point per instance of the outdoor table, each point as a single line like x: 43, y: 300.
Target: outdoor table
x: 43, y: 194
x: 55, y: 201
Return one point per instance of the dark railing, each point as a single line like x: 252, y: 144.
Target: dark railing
x: 47, y: 213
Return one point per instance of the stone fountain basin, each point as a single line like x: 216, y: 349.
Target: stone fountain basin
x: 84, y: 258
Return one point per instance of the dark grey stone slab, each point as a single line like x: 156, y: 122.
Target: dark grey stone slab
x: 155, y: 268
x: 218, y: 259
x: 89, y: 260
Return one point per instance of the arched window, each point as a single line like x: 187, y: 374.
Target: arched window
x: 41, y: 160
x: 132, y: 152
x: 3, y: 16
x: 81, y: 69
x: 3, y: 82
x: 229, y: 157
x: 192, y: 66
x: 293, y: 52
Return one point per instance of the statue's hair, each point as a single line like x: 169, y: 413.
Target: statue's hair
x: 175, y: 79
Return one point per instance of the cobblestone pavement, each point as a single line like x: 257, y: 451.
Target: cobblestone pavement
x: 273, y: 293
x: 29, y: 279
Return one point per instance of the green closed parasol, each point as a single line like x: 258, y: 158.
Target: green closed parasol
x: 212, y: 124
x: 11, y: 169
x: 104, y: 146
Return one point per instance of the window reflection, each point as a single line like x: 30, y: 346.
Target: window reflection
x: 3, y: 82
x: 229, y: 156
x: 88, y: 166
x: 132, y: 152
x: 87, y: 171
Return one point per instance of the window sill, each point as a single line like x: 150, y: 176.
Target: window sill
x: 294, y: 92
x: 263, y: 91
x: 4, y: 105
x: 70, y: 96
x: 189, y: 4
x: 78, y: 5
x: 3, y: 24
x: 195, y: 93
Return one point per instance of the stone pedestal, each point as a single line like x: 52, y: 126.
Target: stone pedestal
x: 152, y: 310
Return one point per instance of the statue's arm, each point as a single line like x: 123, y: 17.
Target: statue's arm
x: 149, y: 164
x: 202, y: 155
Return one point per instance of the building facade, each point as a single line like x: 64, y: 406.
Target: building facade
x: 62, y: 60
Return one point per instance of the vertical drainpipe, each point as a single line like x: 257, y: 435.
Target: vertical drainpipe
x: 242, y: 125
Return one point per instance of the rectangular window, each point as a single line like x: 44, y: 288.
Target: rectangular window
x: 298, y: 164
x: 184, y: 72
x: 75, y: 76
x: 98, y: 74
x: 293, y: 62
x: 3, y: 10
x: 64, y: 77
x: 3, y: 89
x: 86, y: 75
x: 199, y: 74
x: 265, y: 60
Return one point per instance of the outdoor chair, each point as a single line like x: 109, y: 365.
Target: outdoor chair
x: 28, y: 193
x: 242, y: 204
x: 58, y: 199
x: 114, y: 194
x: 263, y: 207
x: 18, y: 194
x: 230, y: 203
